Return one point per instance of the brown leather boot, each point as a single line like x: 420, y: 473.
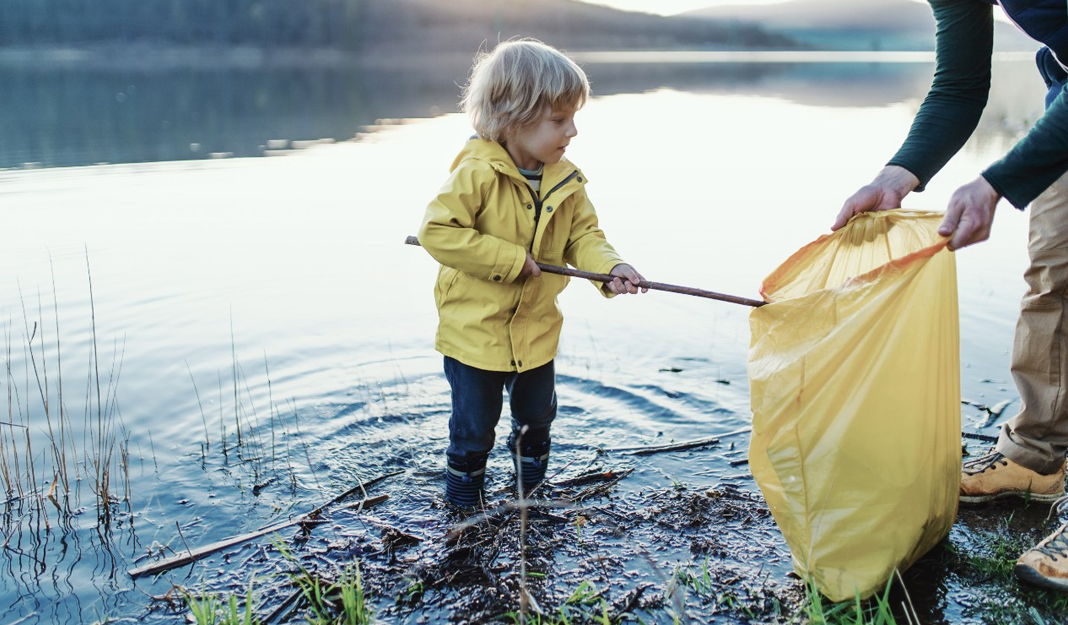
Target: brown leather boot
x: 1047, y: 564
x: 993, y: 476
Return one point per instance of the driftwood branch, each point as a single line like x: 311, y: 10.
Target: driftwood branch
x: 192, y: 555
x: 641, y: 450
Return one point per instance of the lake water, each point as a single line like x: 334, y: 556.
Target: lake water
x: 272, y: 291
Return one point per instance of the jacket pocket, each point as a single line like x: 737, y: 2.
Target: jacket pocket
x: 447, y: 278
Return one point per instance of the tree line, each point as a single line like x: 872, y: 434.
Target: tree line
x: 357, y: 25
x: 330, y: 23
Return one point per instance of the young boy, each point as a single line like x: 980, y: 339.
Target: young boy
x: 512, y: 201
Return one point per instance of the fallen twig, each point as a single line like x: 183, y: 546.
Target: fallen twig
x: 506, y: 507
x: 980, y: 437
x: 598, y: 489
x: 700, y: 442
x: 655, y: 449
x: 596, y: 476
x: 364, y: 504
x: 193, y: 555
x: 281, y: 613
x: 632, y: 602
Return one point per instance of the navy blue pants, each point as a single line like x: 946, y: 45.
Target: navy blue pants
x: 478, y: 398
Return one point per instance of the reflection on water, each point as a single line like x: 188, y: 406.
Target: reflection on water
x: 72, y: 115
x: 275, y: 296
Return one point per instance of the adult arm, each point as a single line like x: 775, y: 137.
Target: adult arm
x: 949, y: 113
x: 1037, y: 160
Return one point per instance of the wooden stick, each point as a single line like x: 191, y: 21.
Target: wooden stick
x: 986, y: 438
x: 655, y: 449
x: 645, y: 284
x: 596, y: 476
x: 192, y: 555
x: 196, y: 554
x: 701, y: 442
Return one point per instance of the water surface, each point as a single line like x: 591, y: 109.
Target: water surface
x: 275, y: 293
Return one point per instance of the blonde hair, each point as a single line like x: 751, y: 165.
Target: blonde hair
x: 510, y: 87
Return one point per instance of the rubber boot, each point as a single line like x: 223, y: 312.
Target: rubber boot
x: 532, y: 459
x: 464, y: 481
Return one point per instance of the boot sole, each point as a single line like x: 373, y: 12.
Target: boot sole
x: 1031, y: 576
x: 1022, y: 495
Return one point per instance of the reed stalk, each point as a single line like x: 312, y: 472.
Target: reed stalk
x: 254, y: 444
x: 13, y: 391
x: 524, y: 593
x: 63, y: 417
x: 102, y: 417
x: 233, y: 361
x: 34, y: 471
x: 222, y: 419
x: 200, y: 404
x: 270, y: 407
x: 5, y: 467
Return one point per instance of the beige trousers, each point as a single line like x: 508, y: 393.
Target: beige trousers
x: 1037, y: 437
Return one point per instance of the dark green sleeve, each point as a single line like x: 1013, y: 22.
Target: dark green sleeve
x: 951, y: 110
x: 1039, y: 159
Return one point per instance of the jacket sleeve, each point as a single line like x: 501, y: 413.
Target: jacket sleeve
x: 448, y: 232
x: 950, y: 112
x: 587, y: 247
x: 1038, y: 160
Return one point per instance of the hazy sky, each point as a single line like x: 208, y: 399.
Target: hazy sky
x: 670, y: 7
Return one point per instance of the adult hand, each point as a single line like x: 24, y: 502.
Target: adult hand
x: 627, y: 279
x: 884, y: 193
x: 530, y: 268
x: 970, y: 214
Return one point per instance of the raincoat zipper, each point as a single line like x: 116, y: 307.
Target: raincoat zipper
x: 538, y: 203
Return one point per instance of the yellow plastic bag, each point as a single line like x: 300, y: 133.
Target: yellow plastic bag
x: 854, y: 370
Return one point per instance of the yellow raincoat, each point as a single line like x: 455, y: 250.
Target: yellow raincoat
x: 480, y: 227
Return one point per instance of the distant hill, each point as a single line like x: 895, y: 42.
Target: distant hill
x: 845, y: 25
x: 365, y: 26
x: 565, y: 23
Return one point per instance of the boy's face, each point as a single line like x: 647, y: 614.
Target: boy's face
x: 545, y: 140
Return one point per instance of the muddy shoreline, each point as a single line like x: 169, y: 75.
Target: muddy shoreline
x: 603, y: 542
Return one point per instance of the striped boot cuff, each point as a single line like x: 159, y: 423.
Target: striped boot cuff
x: 531, y: 468
x: 464, y: 488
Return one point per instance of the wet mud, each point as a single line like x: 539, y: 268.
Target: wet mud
x: 583, y: 549
x: 600, y: 541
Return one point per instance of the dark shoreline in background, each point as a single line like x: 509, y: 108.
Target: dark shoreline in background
x: 157, y: 57
x: 367, y: 27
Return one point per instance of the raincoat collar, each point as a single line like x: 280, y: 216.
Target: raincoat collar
x: 496, y: 156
